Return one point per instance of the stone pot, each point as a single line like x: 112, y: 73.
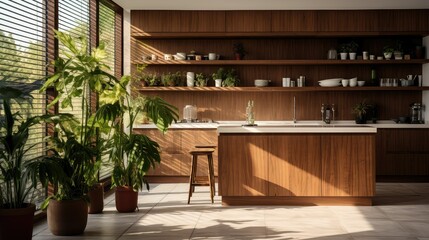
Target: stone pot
x: 126, y: 199
x: 17, y: 223
x: 67, y: 217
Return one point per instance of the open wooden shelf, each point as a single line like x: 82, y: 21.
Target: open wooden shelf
x: 293, y: 34
x: 277, y: 89
x: 282, y: 62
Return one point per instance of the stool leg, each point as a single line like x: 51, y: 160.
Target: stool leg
x: 191, y: 179
x: 210, y: 176
x: 195, y: 169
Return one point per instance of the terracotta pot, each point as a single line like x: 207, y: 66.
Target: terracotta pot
x: 96, y: 199
x: 126, y: 199
x: 17, y: 223
x: 238, y: 56
x: 68, y: 217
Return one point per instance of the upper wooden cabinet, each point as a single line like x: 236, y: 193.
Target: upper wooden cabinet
x: 403, y: 20
x: 248, y: 21
x: 143, y: 21
x: 347, y: 21
x: 293, y: 21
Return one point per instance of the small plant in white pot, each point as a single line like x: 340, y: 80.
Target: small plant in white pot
x: 344, y: 50
x: 387, y: 52
x: 352, y: 50
x: 398, y: 50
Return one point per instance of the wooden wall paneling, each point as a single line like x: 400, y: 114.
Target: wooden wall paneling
x: 347, y: 21
x: 294, y: 167
x: 348, y: 165
x: 293, y: 21
x: 147, y: 21
x: 248, y: 21
x: 202, y: 21
x: 243, y: 165
x: 403, y: 152
x: 406, y: 20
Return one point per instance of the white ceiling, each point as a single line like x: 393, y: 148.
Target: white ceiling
x: 270, y: 4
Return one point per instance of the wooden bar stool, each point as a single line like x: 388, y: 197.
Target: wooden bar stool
x: 196, y: 181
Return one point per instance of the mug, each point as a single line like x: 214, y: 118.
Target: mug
x: 168, y: 57
x: 212, y: 56
x: 345, y: 82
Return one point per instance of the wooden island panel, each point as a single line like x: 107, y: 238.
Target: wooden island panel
x: 298, y: 157
x: 244, y: 169
x: 348, y: 165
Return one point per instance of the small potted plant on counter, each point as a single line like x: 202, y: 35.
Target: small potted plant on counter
x: 200, y: 80
x: 219, y: 76
x: 239, y: 51
x: 361, y: 111
x: 231, y: 79
x: 168, y: 79
x: 398, y: 50
x: 353, y: 47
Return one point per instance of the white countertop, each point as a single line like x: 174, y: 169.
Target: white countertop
x: 271, y: 125
x: 297, y: 129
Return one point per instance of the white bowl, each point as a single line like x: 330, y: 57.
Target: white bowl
x: 361, y: 83
x: 261, y: 82
x: 331, y: 80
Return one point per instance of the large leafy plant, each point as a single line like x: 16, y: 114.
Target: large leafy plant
x: 20, y: 173
x: 132, y: 155
x: 79, y: 74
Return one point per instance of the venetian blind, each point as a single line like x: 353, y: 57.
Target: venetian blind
x: 23, y: 60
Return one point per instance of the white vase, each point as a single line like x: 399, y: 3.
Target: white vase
x: 190, y: 79
x: 218, y: 82
x: 343, y: 56
x: 352, y: 55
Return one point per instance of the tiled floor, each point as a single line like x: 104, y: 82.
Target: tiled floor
x: 401, y: 212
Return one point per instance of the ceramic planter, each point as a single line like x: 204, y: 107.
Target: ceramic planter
x: 96, y: 199
x: 67, y: 217
x: 17, y: 223
x: 343, y: 56
x: 126, y: 199
x: 352, y: 55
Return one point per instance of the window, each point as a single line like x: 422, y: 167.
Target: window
x: 23, y: 59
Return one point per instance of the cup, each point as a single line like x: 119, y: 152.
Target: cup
x: 197, y: 57
x: 353, y: 82
x: 212, y: 56
x: 218, y: 82
x: 153, y: 57
x: 382, y: 82
x: 345, y: 82
x: 168, y: 57
x: 190, y: 79
x: 365, y: 55
x: 286, y: 82
x: 371, y: 57
x: 395, y: 82
x: 388, y: 82
x: 292, y: 83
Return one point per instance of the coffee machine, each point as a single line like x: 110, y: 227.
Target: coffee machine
x: 416, y: 112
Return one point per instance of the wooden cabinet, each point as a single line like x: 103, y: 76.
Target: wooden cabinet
x: 244, y: 169
x: 175, y: 146
x: 297, y: 165
x: 294, y: 167
x: 347, y: 21
x: 293, y: 21
x: 348, y: 165
x: 403, y: 152
x: 248, y: 21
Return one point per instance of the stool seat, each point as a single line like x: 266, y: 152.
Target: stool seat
x: 195, y: 180
x: 206, y: 146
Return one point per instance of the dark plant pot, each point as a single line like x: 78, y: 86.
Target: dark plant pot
x: 68, y: 217
x: 361, y: 120
x: 239, y: 56
x: 17, y: 223
x: 96, y: 199
x: 126, y: 199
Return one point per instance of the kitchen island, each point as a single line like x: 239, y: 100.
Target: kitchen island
x: 296, y: 165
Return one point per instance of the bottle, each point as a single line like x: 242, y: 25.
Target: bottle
x: 250, y: 115
x: 374, y: 81
x: 328, y: 114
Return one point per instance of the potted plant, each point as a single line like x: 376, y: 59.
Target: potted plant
x: 133, y: 154
x: 397, y: 53
x: 75, y: 142
x: 219, y: 76
x: 344, y: 50
x: 231, y: 79
x: 361, y: 110
x: 20, y: 173
x: 387, y: 52
x: 239, y: 51
x: 168, y: 79
x: 352, y: 46
x: 200, y: 80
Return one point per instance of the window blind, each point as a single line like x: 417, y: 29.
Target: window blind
x: 23, y: 59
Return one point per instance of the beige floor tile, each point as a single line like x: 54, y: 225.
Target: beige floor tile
x: 384, y: 238
x: 418, y: 228
x: 374, y: 227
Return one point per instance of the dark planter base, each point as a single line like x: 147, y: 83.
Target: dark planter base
x: 17, y: 223
x: 126, y: 199
x: 68, y: 217
x: 96, y: 199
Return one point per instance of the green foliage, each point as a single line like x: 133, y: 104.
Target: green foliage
x: 361, y: 108
x: 133, y: 154
x: 219, y: 74
x: 200, y: 80
x: 17, y: 171
x: 76, y: 143
x: 231, y: 79
x: 239, y: 49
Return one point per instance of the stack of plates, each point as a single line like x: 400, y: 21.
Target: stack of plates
x: 333, y: 82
